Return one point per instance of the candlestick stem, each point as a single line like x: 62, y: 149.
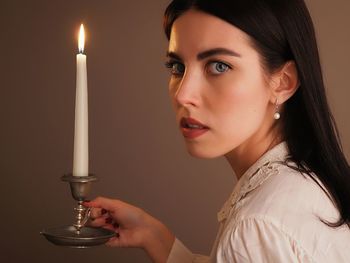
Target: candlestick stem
x: 83, y: 215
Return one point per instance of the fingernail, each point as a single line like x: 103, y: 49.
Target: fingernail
x: 108, y: 220
x: 103, y: 211
x: 116, y: 225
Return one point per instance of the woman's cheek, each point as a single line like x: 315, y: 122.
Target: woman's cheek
x: 237, y: 110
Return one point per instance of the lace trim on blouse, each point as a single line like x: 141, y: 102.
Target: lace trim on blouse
x: 265, y: 167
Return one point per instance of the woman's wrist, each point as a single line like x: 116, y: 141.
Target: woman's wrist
x: 159, y: 242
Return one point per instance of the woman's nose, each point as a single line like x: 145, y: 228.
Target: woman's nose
x: 188, y: 90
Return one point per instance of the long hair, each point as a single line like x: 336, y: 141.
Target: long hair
x: 281, y: 31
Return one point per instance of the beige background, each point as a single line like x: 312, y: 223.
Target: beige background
x: 135, y: 148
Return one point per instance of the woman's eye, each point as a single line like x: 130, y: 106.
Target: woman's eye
x: 176, y: 68
x: 217, y: 68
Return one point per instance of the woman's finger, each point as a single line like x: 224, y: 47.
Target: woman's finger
x: 110, y: 227
x: 106, y: 203
x: 114, y: 241
x: 99, y: 221
x: 97, y: 212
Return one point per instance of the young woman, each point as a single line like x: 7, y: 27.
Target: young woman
x: 246, y: 83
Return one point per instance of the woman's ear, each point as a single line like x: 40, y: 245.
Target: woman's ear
x: 285, y: 83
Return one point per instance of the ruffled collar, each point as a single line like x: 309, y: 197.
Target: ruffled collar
x: 256, y: 175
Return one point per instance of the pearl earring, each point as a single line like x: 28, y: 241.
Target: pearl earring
x: 277, y: 115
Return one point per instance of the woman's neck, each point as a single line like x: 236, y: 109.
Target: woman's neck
x: 245, y: 155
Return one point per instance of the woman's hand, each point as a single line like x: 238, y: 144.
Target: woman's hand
x: 133, y: 227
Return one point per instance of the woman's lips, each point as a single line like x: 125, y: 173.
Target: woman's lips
x: 191, y: 128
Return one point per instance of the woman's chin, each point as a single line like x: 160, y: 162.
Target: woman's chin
x: 202, y: 153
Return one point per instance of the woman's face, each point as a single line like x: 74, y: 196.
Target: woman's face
x: 217, y: 79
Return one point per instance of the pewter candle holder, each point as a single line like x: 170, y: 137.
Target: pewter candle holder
x: 78, y: 235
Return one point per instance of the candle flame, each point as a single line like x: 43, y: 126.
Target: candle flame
x: 81, y: 41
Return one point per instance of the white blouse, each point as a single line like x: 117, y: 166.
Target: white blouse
x: 273, y: 215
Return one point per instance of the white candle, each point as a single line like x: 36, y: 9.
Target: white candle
x: 81, y: 139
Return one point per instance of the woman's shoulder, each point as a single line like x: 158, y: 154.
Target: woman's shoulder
x: 292, y: 204
x: 291, y: 193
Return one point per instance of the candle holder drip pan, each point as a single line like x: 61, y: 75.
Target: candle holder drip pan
x: 86, y: 237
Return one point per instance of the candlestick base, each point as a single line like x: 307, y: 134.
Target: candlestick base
x: 78, y: 235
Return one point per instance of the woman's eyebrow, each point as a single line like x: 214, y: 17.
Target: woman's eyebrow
x: 217, y: 51
x: 173, y: 55
x: 207, y: 53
